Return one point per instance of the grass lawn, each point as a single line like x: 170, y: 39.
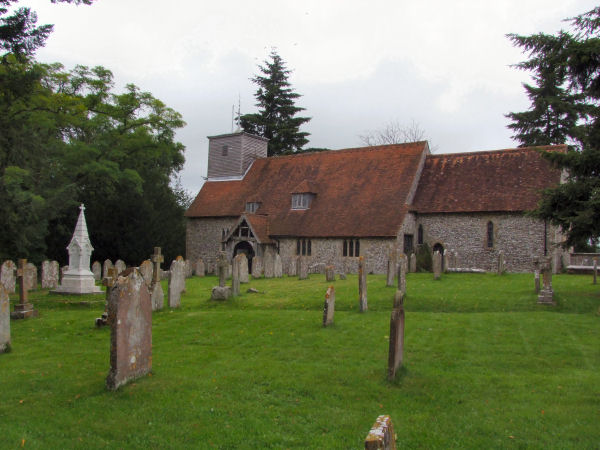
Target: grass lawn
x: 485, y: 367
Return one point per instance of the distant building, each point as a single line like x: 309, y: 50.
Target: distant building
x: 334, y: 206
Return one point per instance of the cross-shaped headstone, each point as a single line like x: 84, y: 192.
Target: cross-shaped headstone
x: 109, y: 281
x: 21, y: 279
x: 156, y: 259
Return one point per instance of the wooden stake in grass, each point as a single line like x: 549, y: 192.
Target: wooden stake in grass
x: 396, y: 352
x: 381, y: 435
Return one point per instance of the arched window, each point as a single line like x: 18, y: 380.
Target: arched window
x: 490, y: 234
x: 420, y: 235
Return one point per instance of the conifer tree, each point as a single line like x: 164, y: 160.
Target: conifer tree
x: 276, y: 119
x: 565, y: 109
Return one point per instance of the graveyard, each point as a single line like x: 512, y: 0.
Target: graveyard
x: 484, y: 365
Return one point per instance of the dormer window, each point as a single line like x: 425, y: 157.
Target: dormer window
x: 252, y: 207
x: 302, y: 201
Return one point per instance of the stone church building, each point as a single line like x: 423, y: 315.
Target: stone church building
x: 333, y: 206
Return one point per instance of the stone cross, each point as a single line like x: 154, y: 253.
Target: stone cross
x: 396, y: 350
x: 381, y: 436
x: 23, y: 309
x: 108, y: 281
x: 4, y: 320
x: 130, y: 318
x: 156, y: 259
x: 362, y: 284
x: 222, y: 265
x: 329, y: 306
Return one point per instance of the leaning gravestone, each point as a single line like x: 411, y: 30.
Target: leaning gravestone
x: 302, y: 265
x: 362, y: 284
x: 7, y: 275
x: 329, y: 306
x: 130, y: 317
x: 50, y: 274
x: 402, y: 273
x: 107, y: 265
x: 329, y: 273
x: 31, y: 277
x: 176, y: 282
x: 4, y: 320
x: 257, y: 267
x: 97, y: 270
x: 437, y: 265
x: 147, y: 271
x: 199, y: 268
x: 120, y: 265
x: 235, y: 275
x: 396, y: 351
x: 381, y: 436
x: 243, y: 268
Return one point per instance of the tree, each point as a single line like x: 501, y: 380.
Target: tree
x: 566, y: 69
x: 394, y: 133
x: 276, y: 119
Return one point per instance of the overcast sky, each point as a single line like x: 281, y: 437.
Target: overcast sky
x: 358, y: 64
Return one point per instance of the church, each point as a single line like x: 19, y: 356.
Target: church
x: 334, y: 206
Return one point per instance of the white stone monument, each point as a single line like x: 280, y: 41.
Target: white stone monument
x: 79, y: 279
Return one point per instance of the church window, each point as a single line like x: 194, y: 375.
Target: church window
x: 225, y: 150
x: 252, y: 207
x: 420, y: 235
x: 301, y: 201
x: 351, y: 247
x: 490, y: 234
x: 408, y: 243
x: 303, y: 247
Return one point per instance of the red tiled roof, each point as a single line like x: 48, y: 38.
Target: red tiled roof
x: 502, y: 180
x: 260, y: 227
x: 359, y: 192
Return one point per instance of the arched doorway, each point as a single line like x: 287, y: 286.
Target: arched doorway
x: 439, y: 248
x: 246, y: 248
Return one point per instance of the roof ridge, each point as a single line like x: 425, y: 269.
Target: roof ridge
x: 348, y: 150
x: 504, y: 150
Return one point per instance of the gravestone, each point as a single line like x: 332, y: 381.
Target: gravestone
x: 546, y: 295
x: 329, y: 273
x: 446, y: 261
x: 277, y: 266
x: 391, y: 270
x: 413, y: 263
x: 97, y: 270
x: 157, y: 295
x: 50, y: 274
x: 120, y: 265
x: 105, y: 266
x: 402, y: 263
x: 437, y: 265
x: 189, y: 269
x: 269, y: 263
x: 176, y: 283
x: 243, y: 268
x: 4, y: 320
x: 130, y: 318
x: 292, y: 269
x: 501, y: 263
x: 381, y: 436
x: 109, y: 282
x: 235, y: 275
x: 396, y: 351
x: 329, y: 306
x: 595, y: 270
x: 221, y: 292
x: 147, y: 271
x: 23, y: 309
x: 454, y: 259
x: 199, y: 268
x: 302, y: 265
x: 7, y: 275
x: 362, y: 284
x: 31, y: 277
x: 257, y: 267
x: 536, y: 274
